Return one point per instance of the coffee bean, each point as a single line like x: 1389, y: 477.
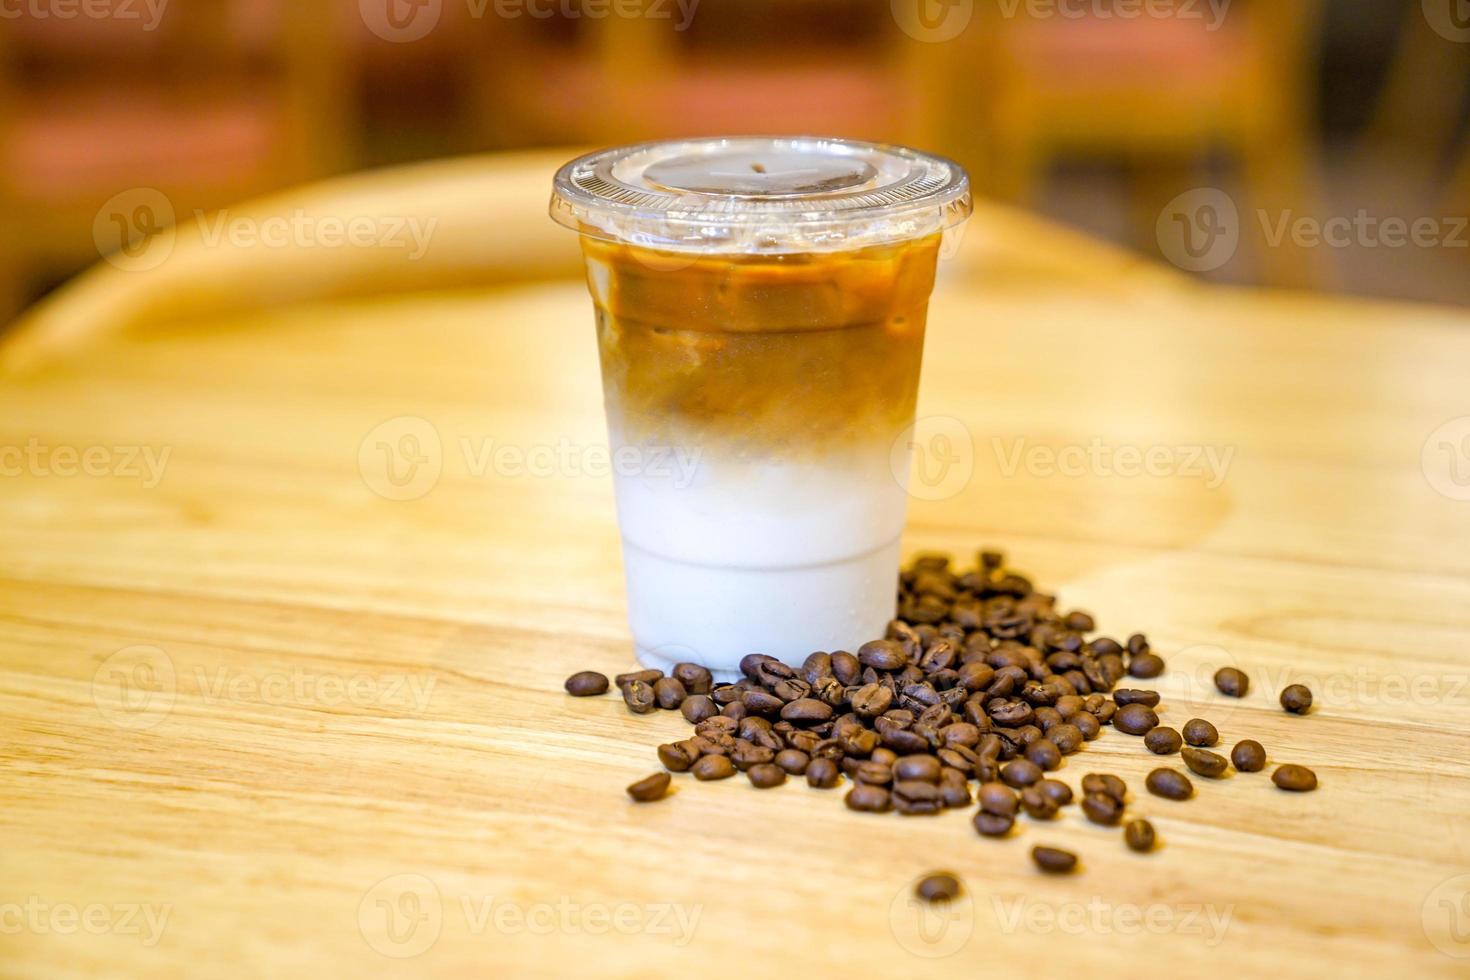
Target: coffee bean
x: 1163, y: 740
x: 941, y: 886
x: 1135, y: 719
x: 1170, y: 784
x: 586, y: 684
x: 764, y: 775
x: 1037, y: 804
x: 822, y: 774
x: 696, y: 708
x: 696, y: 679
x: 675, y: 757
x: 1125, y: 696
x: 1248, y: 756
x: 1199, y: 732
x: 846, y: 668
x: 639, y: 697
x: 916, y: 796
x: 750, y: 664
x: 1204, y: 762
x: 1105, y: 783
x: 669, y: 693
x: 1056, y: 791
x: 1053, y: 860
x: 649, y: 677
x: 1045, y: 754
x: 993, y: 824
x: 793, y: 761
x: 1068, y: 738
x: 709, y: 767
x: 873, y: 773
x: 871, y: 700
x: 650, y: 788
x: 998, y: 798
x: 806, y: 711
x: 1020, y: 772
x: 1102, y: 808
x: 867, y: 798
x: 746, y: 755
x: 924, y: 767
x: 1145, y: 665
x: 761, y: 703
x: 1139, y: 835
x: 1231, y: 682
x: 1298, y: 779
x: 1087, y: 724
x: 1297, y: 699
x: 734, y: 710
x: 954, y: 788
x: 883, y: 655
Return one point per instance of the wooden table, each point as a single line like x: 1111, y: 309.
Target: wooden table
x: 271, y: 709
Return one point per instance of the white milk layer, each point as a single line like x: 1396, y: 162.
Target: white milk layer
x: 725, y: 557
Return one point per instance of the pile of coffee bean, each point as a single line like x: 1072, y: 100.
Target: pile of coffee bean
x: 980, y: 679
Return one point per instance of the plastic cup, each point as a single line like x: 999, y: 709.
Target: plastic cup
x: 760, y: 307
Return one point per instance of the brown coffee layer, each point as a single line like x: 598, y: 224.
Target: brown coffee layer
x: 777, y: 354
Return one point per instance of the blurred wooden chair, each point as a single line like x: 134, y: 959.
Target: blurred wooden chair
x: 1159, y: 93
x: 219, y: 100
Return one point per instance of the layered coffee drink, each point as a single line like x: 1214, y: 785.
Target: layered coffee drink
x: 771, y: 372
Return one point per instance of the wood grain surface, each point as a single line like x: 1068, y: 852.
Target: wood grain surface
x: 282, y: 705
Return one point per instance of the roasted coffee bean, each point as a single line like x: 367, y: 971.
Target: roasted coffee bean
x: 976, y: 675
x: 747, y: 755
x: 1106, y: 784
x: 1010, y: 712
x: 650, y: 788
x: 1297, y: 699
x: 822, y: 774
x: 883, y: 655
x: 1087, y: 724
x: 792, y: 689
x: 827, y: 748
x: 806, y: 711
x: 697, y: 708
x: 724, y: 694
x: 675, y: 757
x: 954, y: 788
x: 649, y: 677
x: 1231, y: 682
x: 958, y: 757
x: 867, y: 798
x: 669, y: 693
x: 1163, y: 740
x: 586, y: 684
x: 1056, y: 791
x: 1130, y: 696
x: 1248, y: 756
x: 816, y: 666
x: 750, y: 664
x: 1102, y: 808
x: 1135, y: 719
x: 859, y: 742
x: 1027, y: 734
x: 941, y: 886
x: 846, y: 668
x: 765, y: 775
x: 761, y: 703
x: 873, y: 773
x: 639, y: 697
x: 1020, y: 772
x: 962, y: 734
x: 871, y: 700
x: 1045, y: 753
x: 1298, y: 779
x: 993, y: 824
x: 1139, y: 835
x: 696, y: 679
x: 886, y: 756
x: 1170, y: 784
x: 923, y: 767
x: 1145, y: 665
x: 793, y: 761
x: 1067, y: 737
x: 717, y: 725
x: 1037, y: 804
x: 1204, y: 762
x: 916, y: 796
x: 1054, y: 860
x: 709, y: 767
x: 1199, y: 732
x: 1137, y: 643
x: 734, y: 710
x: 906, y: 742
x: 997, y: 798
x: 1106, y: 712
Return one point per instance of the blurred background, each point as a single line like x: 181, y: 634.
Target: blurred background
x: 1097, y: 113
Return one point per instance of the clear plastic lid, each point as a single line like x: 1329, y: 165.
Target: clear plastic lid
x: 760, y: 194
